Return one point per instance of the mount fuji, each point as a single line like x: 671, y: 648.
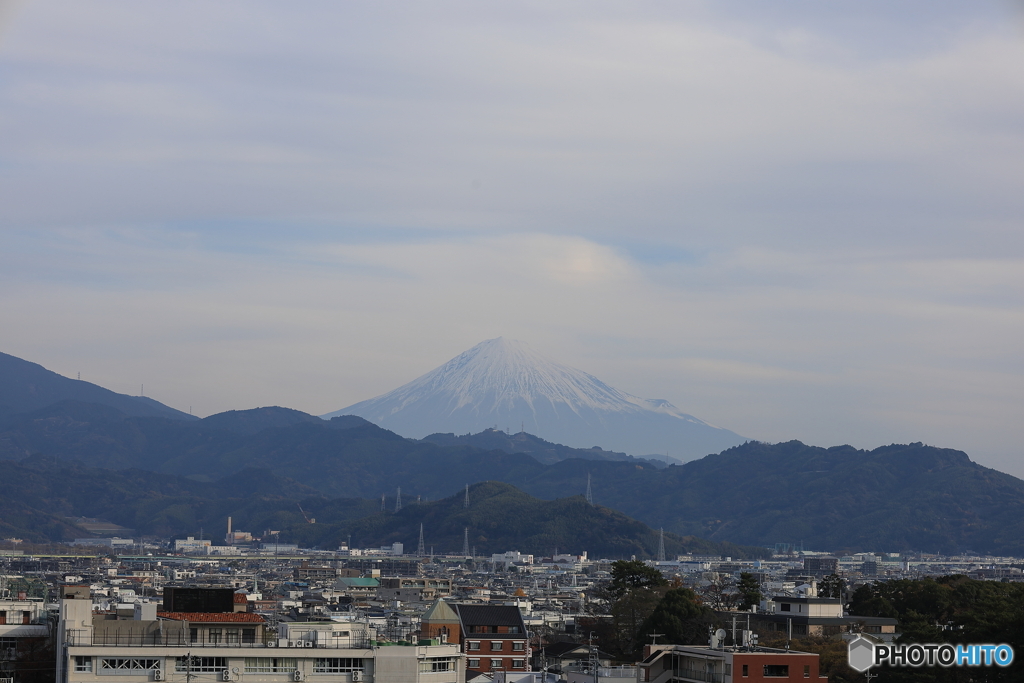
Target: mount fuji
x: 504, y: 383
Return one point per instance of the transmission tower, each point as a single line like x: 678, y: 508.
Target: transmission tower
x: 398, y: 500
x: 382, y: 506
x: 466, y: 503
x: 465, y: 542
x: 661, y: 546
x: 421, y: 549
x: 590, y: 493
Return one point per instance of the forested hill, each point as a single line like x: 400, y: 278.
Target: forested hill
x: 894, y: 498
x: 49, y: 495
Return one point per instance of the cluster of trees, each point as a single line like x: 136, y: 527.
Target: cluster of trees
x: 642, y: 602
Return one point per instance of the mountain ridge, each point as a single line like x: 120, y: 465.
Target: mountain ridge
x: 26, y: 386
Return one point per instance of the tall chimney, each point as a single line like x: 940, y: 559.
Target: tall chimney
x: 228, y: 538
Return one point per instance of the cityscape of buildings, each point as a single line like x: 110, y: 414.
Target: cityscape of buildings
x: 192, y: 611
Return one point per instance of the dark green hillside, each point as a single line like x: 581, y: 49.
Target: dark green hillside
x: 500, y: 517
x: 346, y: 456
x: 899, y: 497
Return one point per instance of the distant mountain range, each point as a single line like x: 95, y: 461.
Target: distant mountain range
x: 895, y: 498
x: 504, y: 383
x: 543, y: 451
x: 909, y: 497
x: 26, y: 386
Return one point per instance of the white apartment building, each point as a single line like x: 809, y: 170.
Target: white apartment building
x: 234, y: 647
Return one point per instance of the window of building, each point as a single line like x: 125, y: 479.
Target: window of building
x: 231, y: 635
x: 193, y: 634
x: 126, y: 666
x: 472, y: 645
x: 473, y: 663
x: 200, y: 665
x: 745, y: 671
x: 519, y: 646
x: 337, y: 665
x: 518, y: 663
x: 214, y: 635
x: 496, y: 646
x: 495, y: 663
x: 436, y: 665
x: 513, y: 629
x: 807, y: 670
x: 776, y: 670
x: 83, y: 664
x: 270, y: 665
x: 785, y: 607
x: 248, y: 635
x: 728, y: 669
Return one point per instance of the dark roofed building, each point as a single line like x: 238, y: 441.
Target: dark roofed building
x: 493, y: 637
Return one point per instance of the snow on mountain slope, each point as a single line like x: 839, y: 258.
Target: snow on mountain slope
x: 504, y: 383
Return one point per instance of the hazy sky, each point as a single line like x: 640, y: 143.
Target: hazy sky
x: 795, y: 220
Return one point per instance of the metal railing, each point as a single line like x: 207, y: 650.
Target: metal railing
x: 604, y: 671
x: 83, y: 638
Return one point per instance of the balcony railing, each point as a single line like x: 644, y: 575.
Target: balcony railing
x: 83, y: 638
x: 604, y: 671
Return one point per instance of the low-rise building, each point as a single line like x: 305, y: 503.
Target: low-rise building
x: 703, y: 664
x: 209, y: 648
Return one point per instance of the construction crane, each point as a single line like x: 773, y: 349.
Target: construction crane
x: 309, y: 520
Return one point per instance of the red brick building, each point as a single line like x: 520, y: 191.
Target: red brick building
x: 493, y: 637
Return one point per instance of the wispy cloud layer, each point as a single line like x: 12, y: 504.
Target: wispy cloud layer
x: 802, y: 225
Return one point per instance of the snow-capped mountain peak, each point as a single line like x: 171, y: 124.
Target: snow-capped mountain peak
x: 506, y: 383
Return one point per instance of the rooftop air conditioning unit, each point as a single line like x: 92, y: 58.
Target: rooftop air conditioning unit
x: 271, y: 643
x: 225, y: 675
x: 357, y: 676
x: 158, y: 675
x: 308, y: 643
x: 296, y: 675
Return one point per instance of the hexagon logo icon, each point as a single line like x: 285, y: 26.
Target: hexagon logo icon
x: 861, y: 654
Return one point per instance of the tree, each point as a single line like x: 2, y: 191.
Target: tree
x: 634, y: 592
x: 750, y: 590
x: 832, y: 587
x: 680, y: 617
x: 629, y: 575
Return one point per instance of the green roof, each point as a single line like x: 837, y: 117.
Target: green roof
x: 440, y: 612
